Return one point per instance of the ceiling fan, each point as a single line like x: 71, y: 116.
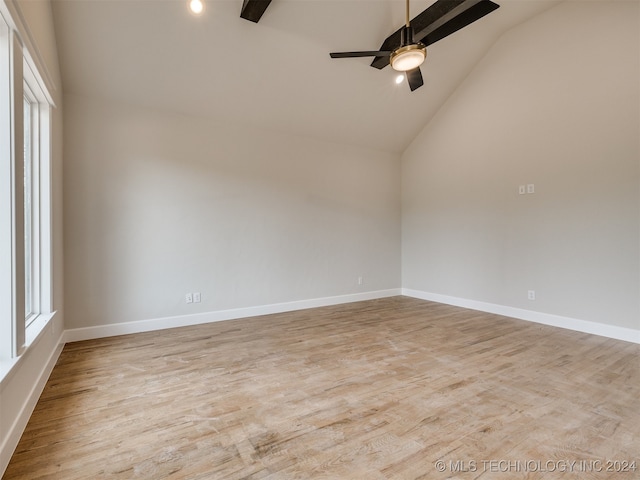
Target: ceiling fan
x: 406, y: 49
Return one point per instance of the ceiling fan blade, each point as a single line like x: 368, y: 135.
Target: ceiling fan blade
x: 467, y: 17
x: 414, y: 77
x: 374, y: 53
x: 436, y: 22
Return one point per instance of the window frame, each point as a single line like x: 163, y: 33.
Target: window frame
x: 33, y: 244
x: 29, y: 220
x: 20, y: 82
x: 6, y: 196
x: 41, y: 247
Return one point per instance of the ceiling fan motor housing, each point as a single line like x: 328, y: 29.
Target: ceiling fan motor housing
x: 406, y: 35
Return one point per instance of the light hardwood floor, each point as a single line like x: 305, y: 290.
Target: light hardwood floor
x: 384, y: 389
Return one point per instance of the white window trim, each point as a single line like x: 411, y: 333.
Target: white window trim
x: 11, y: 159
x: 6, y: 197
x: 15, y: 334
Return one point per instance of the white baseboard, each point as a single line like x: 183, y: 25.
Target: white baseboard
x: 101, y: 331
x: 604, y: 330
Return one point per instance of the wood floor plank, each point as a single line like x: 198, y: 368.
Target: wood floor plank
x: 383, y: 389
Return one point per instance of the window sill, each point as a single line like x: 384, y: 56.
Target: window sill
x: 37, y: 327
x: 34, y: 333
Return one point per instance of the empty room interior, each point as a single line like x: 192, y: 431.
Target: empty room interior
x: 355, y: 239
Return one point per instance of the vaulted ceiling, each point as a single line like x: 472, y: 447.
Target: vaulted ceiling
x: 275, y: 74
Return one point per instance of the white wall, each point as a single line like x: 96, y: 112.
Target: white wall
x: 158, y: 205
x: 21, y: 387
x: 554, y: 103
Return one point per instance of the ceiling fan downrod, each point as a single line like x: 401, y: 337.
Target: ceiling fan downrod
x: 406, y: 17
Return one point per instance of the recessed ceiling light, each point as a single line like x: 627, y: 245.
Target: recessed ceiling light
x: 399, y: 79
x: 196, y: 6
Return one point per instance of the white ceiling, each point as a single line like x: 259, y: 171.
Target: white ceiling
x: 275, y: 74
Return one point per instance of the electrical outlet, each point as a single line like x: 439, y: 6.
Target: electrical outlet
x: 531, y: 188
x: 188, y: 298
x: 196, y: 297
x: 531, y: 294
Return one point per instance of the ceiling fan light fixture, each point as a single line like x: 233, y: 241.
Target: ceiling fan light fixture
x: 408, y: 57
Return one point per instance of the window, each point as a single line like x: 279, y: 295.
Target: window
x: 37, y: 202
x: 31, y: 245
x: 28, y: 227
x: 25, y: 196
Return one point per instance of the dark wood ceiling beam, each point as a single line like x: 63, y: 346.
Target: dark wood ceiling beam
x: 252, y: 10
